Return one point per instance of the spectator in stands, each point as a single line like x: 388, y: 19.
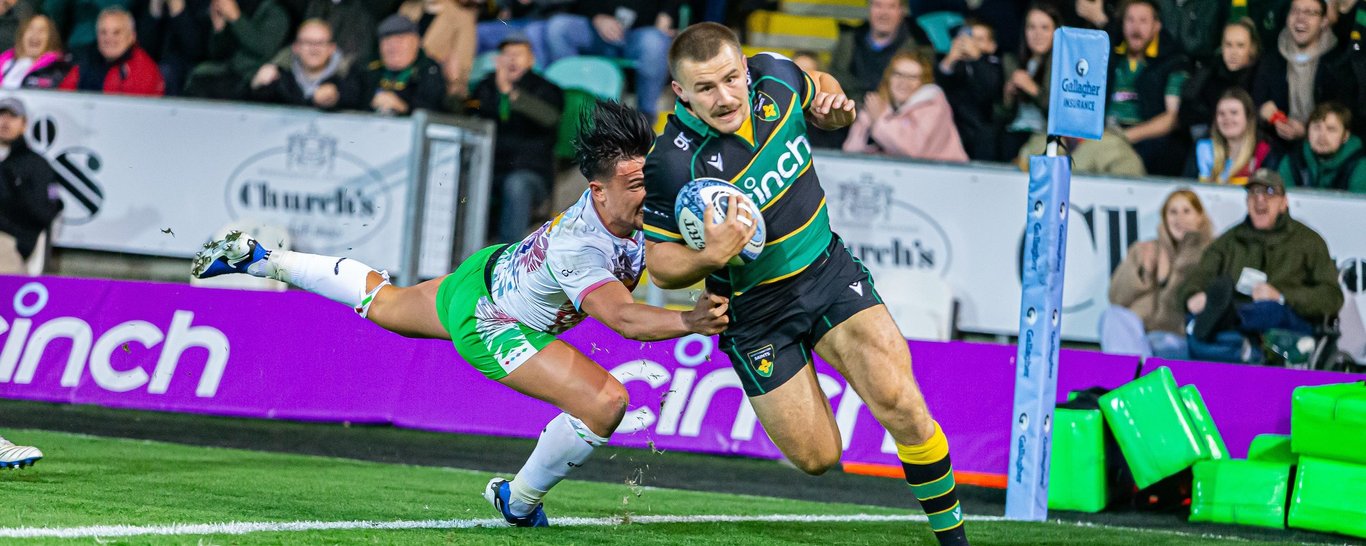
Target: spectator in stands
x: 638, y: 31
x: 525, y: 17
x: 1332, y: 157
x: 1234, y: 149
x: 1109, y: 155
x: 246, y: 34
x: 973, y: 79
x: 175, y: 33
x: 28, y: 191
x: 36, y: 62
x: 12, y: 14
x: 1145, y: 315
x: 526, y: 109
x: 809, y: 62
x: 1233, y: 69
x: 1027, y: 86
x: 864, y: 50
x: 403, y: 79
x: 907, y: 115
x: 315, y: 74
x: 447, y: 29
x: 79, y: 18
x: 1268, y: 272
x: 1146, y: 75
x: 1196, y: 26
x: 351, y: 26
x: 118, y: 66
x: 1299, y: 74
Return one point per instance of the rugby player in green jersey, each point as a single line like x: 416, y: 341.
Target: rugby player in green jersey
x: 744, y: 120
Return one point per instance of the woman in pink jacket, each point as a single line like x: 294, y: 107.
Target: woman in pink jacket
x: 907, y: 115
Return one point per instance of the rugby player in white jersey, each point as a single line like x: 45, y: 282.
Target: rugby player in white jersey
x: 503, y: 306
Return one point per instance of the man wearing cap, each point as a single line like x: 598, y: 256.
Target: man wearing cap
x: 403, y: 79
x: 1268, y: 272
x: 28, y: 191
x: 526, y: 109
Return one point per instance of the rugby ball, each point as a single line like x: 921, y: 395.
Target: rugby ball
x: 690, y: 209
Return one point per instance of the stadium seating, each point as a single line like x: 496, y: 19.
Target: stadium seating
x: 1329, y: 496
x: 582, y: 78
x: 1239, y: 491
x: 1076, y: 472
x: 822, y: 56
x: 1329, y: 422
x: 1154, y: 428
x: 839, y: 9
x: 770, y: 29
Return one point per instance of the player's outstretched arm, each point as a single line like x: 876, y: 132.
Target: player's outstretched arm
x: 830, y: 109
x: 613, y: 305
x: 674, y: 265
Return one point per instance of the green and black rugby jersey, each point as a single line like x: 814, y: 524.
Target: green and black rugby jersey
x: 769, y: 158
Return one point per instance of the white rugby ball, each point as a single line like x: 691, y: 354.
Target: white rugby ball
x: 692, y: 202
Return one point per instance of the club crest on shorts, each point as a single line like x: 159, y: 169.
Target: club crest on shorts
x: 761, y: 360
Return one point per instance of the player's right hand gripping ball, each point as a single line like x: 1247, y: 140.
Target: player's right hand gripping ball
x: 692, y: 203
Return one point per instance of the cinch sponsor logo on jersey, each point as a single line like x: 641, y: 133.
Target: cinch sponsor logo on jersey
x: 789, y: 164
x: 25, y: 344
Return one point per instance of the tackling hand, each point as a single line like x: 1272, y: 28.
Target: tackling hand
x: 832, y: 110
x: 708, y: 317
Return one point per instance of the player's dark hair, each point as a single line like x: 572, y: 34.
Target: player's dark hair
x: 608, y: 133
x: 700, y: 42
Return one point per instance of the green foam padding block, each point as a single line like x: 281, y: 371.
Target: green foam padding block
x: 1241, y: 492
x: 1272, y: 448
x: 1329, y: 421
x: 1076, y: 473
x: 1149, y: 420
x: 1329, y: 496
x: 1210, y: 438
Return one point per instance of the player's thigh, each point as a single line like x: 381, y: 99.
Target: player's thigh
x: 566, y: 378
x: 797, y: 417
x: 409, y: 311
x: 869, y: 351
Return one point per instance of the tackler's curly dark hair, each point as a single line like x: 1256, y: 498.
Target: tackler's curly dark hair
x: 608, y: 133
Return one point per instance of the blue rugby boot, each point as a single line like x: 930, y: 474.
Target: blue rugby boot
x: 497, y: 494
x: 234, y: 253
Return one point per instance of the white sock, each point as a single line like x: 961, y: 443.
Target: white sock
x: 339, y: 279
x: 564, y: 445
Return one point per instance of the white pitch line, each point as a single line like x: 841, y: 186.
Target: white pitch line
x: 241, y: 528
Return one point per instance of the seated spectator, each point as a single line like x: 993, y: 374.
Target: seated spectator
x: 12, y: 14
x: 1234, y: 150
x: 524, y: 17
x: 1332, y: 157
x: 526, y: 109
x: 1026, y: 89
x: 447, y: 28
x: 80, y: 17
x: 403, y: 79
x: 864, y: 50
x: 1269, y: 272
x: 907, y: 115
x: 1196, y: 27
x: 638, y: 31
x: 176, y: 34
x: 1286, y: 92
x: 1109, y: 155
x: 118, y: 66
x: 1145, y: 316
x: 351, y: 26
x: 316, y: 74
x: 246, y: 35
x: 1146, y: 75
x: 36, y: 62
x: 973, y: 80
x: 28, y: 191
x: 1233, y: 69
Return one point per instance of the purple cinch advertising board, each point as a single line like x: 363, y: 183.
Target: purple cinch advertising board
x: 294, y: 355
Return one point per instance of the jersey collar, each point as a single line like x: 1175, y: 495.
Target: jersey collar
x: 746, y: 132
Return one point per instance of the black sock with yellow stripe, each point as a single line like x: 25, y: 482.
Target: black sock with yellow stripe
x: 930, y: 473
